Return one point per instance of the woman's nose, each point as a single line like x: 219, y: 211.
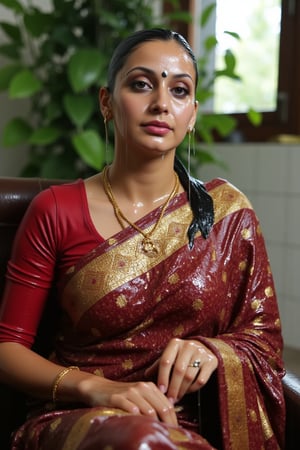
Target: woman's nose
x: 160, y: 100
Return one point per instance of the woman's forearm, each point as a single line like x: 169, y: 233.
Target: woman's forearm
x: 29, y: 372
x: 35, y: 375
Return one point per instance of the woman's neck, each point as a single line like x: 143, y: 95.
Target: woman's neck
x: 144, y: 183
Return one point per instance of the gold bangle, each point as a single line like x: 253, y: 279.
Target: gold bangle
x: 58, y: 379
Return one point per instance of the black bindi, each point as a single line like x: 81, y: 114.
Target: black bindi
x: 164, y: 74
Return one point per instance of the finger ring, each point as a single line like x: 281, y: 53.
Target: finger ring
x: 195, y: 363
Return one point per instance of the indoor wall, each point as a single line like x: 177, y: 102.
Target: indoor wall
x: 269, y: 175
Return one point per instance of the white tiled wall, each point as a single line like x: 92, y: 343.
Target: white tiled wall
x: 269, y: 174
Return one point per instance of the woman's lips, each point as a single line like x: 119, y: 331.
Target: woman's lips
x: 157, y: 128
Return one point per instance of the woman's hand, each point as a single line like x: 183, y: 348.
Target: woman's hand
x: 136, y: 398
x: 184, y: 367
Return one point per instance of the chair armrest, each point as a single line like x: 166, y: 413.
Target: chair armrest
x: 291, y: 387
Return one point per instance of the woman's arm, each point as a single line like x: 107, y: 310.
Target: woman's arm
x: 35, y: 375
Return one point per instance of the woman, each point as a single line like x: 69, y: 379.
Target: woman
x: 163, y: 283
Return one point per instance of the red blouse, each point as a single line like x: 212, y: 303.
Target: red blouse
x: 56, y: 231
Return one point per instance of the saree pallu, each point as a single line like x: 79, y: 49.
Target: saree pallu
x: 122, y: 306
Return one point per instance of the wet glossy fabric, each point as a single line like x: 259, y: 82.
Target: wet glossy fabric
x: 122, y: 307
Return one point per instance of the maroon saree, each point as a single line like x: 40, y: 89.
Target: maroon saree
x: 121, y: 308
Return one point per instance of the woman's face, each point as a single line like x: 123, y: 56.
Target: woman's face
x: 153, y: 103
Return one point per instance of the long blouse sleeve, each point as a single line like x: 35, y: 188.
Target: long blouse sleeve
x: 53, y: 234
x: 30, y: 272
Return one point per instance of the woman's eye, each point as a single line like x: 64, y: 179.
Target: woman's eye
x: 140, y: 85
x: 180, y: 91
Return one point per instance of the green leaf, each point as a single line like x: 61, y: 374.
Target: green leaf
x: 63, y: 35
x: 227, y: 73
x: 230, y: 61
x: 223, y: 123
x: 13, y: 5
x: 230, y: 64
x: 12, y: 31
x: 38, y: 23
x: 90, y: 148
x: 203, y: 95
x: 233, y: 34
x: 84, y: 69
x: 10, y: 51
x: 207, y: 123
x: 58, y: 165
x: 53, y: 111
x: 6, y: 75
x: 78, y: 108
x: 24, y: 84
x: 210, y: 42
x: 67, y: 7
x: 255, y: 117
x: 206, y: 14
x: 45, y: 136
x: 16, y: 132
x: 206, y: 134
x: 110, y: 19
x: 181, y: 16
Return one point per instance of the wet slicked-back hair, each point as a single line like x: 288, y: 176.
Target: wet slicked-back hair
x: 129, y: 44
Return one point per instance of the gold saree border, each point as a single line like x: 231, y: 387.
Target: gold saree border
x: 235, y: 393
x: 266, y: 426
x: 125, y: 261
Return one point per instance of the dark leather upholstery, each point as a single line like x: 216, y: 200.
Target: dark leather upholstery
x: 15, y: 195
x: 291, y: 385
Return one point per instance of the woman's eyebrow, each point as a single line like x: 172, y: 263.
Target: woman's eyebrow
x: 152, y: 72
x: 140, y: 68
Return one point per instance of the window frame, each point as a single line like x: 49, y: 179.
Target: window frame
x: 285, y: 120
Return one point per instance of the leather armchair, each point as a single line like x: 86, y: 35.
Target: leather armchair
x: 15, y: 195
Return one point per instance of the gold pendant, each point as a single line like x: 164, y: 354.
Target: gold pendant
x: 149, y: 248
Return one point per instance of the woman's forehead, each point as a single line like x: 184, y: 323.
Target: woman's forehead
x: 160, y: 55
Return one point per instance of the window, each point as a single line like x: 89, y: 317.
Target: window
x: 257, y: 53
x: 281, y: 94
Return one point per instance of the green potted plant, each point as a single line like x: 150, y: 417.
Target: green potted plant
x: 57, y: 60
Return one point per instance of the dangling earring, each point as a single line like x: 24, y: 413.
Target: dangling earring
x: 191, y: 144
x: 106, y: 141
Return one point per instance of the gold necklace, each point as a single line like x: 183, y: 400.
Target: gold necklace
x: 148, y: 246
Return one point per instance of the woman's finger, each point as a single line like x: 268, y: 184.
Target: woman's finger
x: 206, y: 370
x: 166, y: 364
x: 184, y: 372
x: 146, y: 399
x: 188, y: 364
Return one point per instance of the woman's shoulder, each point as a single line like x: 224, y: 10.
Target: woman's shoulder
x: 223, y: 192
x: 68, y: 192
x: 59, y: 194
x: 56, y: 201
